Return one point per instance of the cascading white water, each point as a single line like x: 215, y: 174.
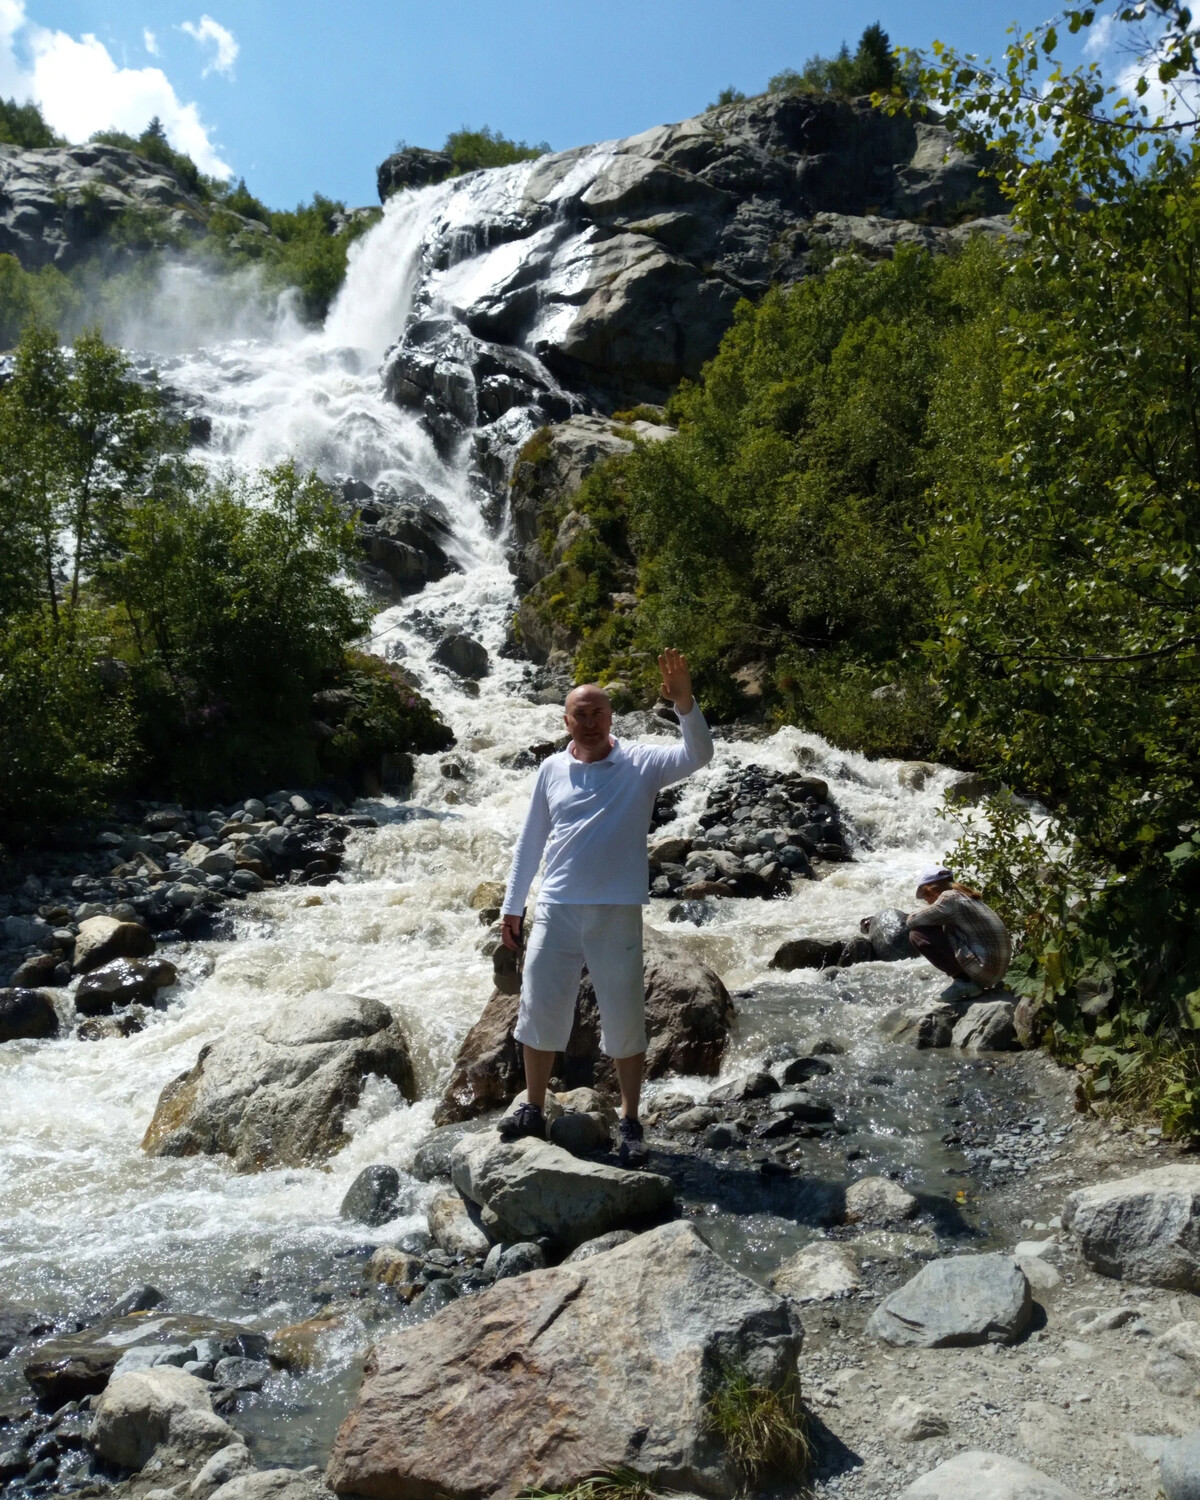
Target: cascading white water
x: 85, y: 1212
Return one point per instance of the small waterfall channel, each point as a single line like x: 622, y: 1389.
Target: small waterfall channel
x: 85, y: 1214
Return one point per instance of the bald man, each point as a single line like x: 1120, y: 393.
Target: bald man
x: 590, y: 813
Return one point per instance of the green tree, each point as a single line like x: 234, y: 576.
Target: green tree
x: 872, y: 68
x: 471, y: 149
x: 25, y: 125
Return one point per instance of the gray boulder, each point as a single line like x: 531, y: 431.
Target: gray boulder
x: 1144, y: 1228
x: 987, y: 1026
x: 807, y: 953
x: 122, y: 981
x: 275, y: 1484
x: 148, y: 1409
x: 411, y: 167
x: 966, y: 1299
x: 454, y: 1225
x: 227, y: 1463
x: 756, y: 1085
x: 278, y: 1095
x: 888, y: 934
x: 373, y: 1196
x: 584, y: 1369
x: 405, y: 543
x: 462, y: 655
x: 101, y: 939
x: 529, y: 1189
x: 986, y: 1476
x: 27, y: 1015
x: 598, y: 1246
x: 820, y: 1272
x: 1179, y: 1468
x: 878, y: 1200
x: 1174, y: 1362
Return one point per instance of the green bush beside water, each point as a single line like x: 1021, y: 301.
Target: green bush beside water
x: 162, y: 631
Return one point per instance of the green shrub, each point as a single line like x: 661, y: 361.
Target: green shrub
x: 386, y: 716
x: 471, y: 149
x: 44, y: 296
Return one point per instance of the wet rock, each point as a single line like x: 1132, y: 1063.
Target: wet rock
x: 931, y: 1023
x: 878, y: 1200
x: 121, y: 982
x: 802, y: 1107
x: 987, y: 1026
x: 748, y: 1086
x: 455, y: 1228
x: 236, y: 1373
x: 598, y: 1246
x: 820, y: 1272
x: 857, y: 950
x: 798, y: 1070
x: 137, y: 1299
x: 298, y: 1346
x: 1179, y: 1468
x: 432, y: 1157
x: 887, y: 932
x: 80, y: 1364
x: 18, y: 1324
x: 986, y: 1476
x: 517, y: 1260
x: 462, y: 655
x: 101, y: 939
x: 720, y: 1137
x: 1144, y: 1228
x: 27, y: 1015
x: 278, y: 1095
x: 912, y: 1422
x: 966, y: 1299
x: 807, y: 953
x: 567, y: 1364
x: 390, y: 1266
x: 693, y: 1120
x: 688, y: 1016
x: 43, y: 970
x: 147, y: 1409
x: 226, y: 1464
x: 529, y: 1189
x: 373, y: 1196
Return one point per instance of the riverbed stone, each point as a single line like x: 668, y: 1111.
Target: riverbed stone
x: 27, y: 1015
x: 278, y: 1094
x: 986, y: 1476
x: 454, y: 1227
x: 373, y: 1197
x: 237, y: 1373
x: 1174, y: 1360
x: 80, y: 1364
x: 746, y: 1086
x: 464, y: 655
x: 799, y: 1070
x: 987, y: 1026
x: 1144, y: 1228
x: 598, y: 1246
x: 226, y: 1463
x: 688, y: 1017
x: 958, y: 1301
x: 101, y: 939
x: 913, y: 1422
x: 566, y: 1373
x: 878, y: 1200
x: 1179, y: 1468
x: 274, y: 1484
x: 147, y: 1409
x: 807, y: 953
x: 527, y: 1189
x: 120, y: 982
x: 819, y: 1272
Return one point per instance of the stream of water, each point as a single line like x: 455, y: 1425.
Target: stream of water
x: 86, y: 1214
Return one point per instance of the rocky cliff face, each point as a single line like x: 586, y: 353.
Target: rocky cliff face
x: 598, y: 278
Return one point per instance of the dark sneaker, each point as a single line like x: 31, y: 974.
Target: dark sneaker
x: 526, y: 1119
x: 633, y: 1151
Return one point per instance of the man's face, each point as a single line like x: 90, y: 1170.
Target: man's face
x: 588, y: 717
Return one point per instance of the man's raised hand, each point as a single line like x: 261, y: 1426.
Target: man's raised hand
x: 676, y: 679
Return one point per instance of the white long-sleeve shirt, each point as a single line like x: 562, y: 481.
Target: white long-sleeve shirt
x: 591, y: 819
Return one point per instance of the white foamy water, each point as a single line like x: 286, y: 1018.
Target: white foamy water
x: 85, y: 1212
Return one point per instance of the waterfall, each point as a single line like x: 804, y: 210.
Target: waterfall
x: 85, y: 1212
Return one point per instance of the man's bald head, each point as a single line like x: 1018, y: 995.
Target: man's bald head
x: 588, y: 714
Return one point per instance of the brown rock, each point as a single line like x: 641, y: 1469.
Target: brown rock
x: 102, y: 939
x: 298, y: 1346
x: 688, y: 1016
x: 486, y: 893
x: 558, y: 1375
x: 27, y: 1015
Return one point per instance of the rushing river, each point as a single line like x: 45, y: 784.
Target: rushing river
x: 84, y: 1214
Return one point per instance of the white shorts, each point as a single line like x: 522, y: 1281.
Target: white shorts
x: 608, y: 939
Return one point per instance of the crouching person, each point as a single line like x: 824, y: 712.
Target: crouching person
x: 959, y: 933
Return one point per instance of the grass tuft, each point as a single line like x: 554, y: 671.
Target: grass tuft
x: 762, y: 1430
x: 619, y: 1484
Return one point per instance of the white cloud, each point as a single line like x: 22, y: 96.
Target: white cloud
x: 1100, y: 35
x: 208, y: 30
x: 151, y: 42
x: 81, y: 89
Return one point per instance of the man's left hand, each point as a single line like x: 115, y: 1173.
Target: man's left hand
x: 676, y: 680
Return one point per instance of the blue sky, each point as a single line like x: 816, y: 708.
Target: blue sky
x: 308, y: 95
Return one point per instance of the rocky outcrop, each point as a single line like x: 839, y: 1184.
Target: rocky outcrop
x: 1143, y: 1229
x: 967, y: 1299
x: 406, y: 540
x: 688, y: 1016
x: 603, y: 275
x: 278, y: 1095
x: 411, y: 167
x: 530, y: 1189
x: 559, y: 1375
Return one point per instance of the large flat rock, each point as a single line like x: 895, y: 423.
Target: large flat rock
x: 1144, y: 1228
x: 986, y: 1476
x: 965, y: 1299
x: 688, y: 1016
x: 558, y: 1375
x: 528, y: 1189
x: 278, y: 1095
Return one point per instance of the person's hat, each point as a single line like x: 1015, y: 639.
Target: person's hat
x: 933, y: 875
